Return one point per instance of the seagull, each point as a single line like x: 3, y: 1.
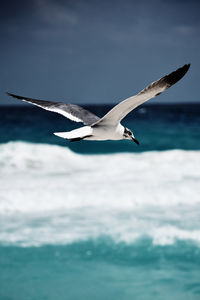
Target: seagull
x: 109, y: 126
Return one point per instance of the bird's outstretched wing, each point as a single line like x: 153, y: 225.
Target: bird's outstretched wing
x: 118, y: 112
x: 71, y: 111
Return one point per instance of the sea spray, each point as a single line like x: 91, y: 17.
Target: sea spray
x: 51, y: 195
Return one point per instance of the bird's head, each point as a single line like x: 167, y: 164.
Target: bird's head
x: 128, y: 134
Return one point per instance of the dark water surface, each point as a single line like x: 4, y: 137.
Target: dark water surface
x: 157, y: 127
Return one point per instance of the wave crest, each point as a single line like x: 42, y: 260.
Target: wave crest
x: 51, y: 195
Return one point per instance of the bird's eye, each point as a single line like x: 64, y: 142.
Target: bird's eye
x: 126, y: 131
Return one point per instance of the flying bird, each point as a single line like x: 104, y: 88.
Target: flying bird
x: 109, y: 126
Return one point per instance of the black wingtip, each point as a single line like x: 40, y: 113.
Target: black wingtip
x: 14, y: 96
x: 175, y: 76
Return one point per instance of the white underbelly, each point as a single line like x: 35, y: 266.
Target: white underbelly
x: 102, y: 133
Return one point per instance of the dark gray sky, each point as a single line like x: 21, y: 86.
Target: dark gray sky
x: 97, y: 51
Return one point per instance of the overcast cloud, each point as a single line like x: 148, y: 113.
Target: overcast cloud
x: 97, y: 51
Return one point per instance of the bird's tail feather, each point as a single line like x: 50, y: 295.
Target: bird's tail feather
x: 64, y: 135
x: 76, y: 134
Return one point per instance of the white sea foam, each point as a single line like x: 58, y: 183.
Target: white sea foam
x: 50, y: 195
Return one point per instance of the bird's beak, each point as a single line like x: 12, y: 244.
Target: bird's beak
x: 136, y: 141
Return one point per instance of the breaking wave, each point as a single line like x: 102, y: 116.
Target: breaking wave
x: 51, y: 195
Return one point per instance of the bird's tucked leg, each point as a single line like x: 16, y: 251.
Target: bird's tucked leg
x: 79, y: 138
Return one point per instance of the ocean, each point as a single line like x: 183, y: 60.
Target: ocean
x: 100, y: 220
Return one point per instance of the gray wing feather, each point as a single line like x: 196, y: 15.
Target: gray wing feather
x: 118, y: 112
x: 71, y: 111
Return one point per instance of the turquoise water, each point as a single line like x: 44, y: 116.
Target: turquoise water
x: 157, y: 127
x: 101, y: 270
x: 100, y: 220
